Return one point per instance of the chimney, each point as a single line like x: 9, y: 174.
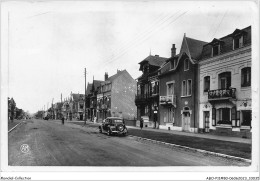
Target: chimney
x: 106, y: 76
x: 173, y: 49
x: 118, y: 71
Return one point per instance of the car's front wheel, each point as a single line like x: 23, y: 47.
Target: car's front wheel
x: 100, y: 129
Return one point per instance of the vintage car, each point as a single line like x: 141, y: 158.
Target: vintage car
x: 113, y: 125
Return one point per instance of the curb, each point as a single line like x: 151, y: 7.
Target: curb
x: 14, y: 127
x: 170, y: 145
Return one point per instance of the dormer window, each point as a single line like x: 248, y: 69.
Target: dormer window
x: 215, y: 50
x: 238, y: 42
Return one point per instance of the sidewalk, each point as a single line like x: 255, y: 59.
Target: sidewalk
x: 200, y: 135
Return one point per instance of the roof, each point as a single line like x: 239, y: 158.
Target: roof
x: 113, y: 77
x: 76, y: 97
x: 89, y: 87
x: 96, y: 83
x: 195, y: 47
x: 154, y: 60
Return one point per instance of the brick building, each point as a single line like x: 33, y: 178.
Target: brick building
x: 115, y: 96
x: 147, y: 98
x: 225, y: 85
x: 178, y: 107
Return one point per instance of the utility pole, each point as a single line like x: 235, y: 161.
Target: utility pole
x: 85, y: 120
x: 52, y: 110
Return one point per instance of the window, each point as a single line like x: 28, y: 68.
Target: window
x: 215, y: 50
x: 170, y: 89
x: 225, y: 80
x: 155, y: 87
x: 186, y: 64
x: 184, y: 88
x: 246, y: 77
x: 146, y: 111
x: 173, y: 63
x: 246, y: 118
x: 170, y: 115
x: 206, y: 83
x: 224, y: 116
x: 81, y: 106
x: 213, y: 116
x: 238, y: 42
x: 189, y: 87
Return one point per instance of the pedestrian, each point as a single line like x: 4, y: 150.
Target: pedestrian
x: 141, y: 123
x: 62, y: 120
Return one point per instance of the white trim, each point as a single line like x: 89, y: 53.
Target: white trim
x: 170, y: 82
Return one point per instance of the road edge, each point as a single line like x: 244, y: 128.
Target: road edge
x: 14, y: 127
x: 170, y: 145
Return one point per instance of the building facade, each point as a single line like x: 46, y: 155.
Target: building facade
x: 115, y: 96
x: 91, y: 99
x: 77, y: 104
x: 225, y: 85
x: 147, y: 97
x: 178, y: 101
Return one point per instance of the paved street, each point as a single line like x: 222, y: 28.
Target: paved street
x: 53, y: 144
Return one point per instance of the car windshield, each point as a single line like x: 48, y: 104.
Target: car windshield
x: 118, y: 121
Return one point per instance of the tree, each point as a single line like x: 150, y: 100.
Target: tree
x: 11, y: 109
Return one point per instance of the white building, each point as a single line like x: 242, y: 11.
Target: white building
x: 225, y: 85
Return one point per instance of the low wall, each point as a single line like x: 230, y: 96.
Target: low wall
x: 130, y: 122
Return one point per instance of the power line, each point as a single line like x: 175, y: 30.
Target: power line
x: 126, y: 44
x: 145, y: 38
x: 220, y: 23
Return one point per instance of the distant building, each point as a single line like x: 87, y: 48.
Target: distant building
x: 57, y: 110
x: 91, y: 99
x: 115, y: 96
x: 225, y: 85
x: 147, y: 97
x: 77, y: 106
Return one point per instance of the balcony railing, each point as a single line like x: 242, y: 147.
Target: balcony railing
x: 222, y: 94
x: 168, y: 100
x: 141, y: 98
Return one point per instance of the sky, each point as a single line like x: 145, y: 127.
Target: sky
x: 47, y: 44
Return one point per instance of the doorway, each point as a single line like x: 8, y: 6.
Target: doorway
x: 206, y: 121
x: 186, y: 121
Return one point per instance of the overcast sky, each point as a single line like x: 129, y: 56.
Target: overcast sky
x: 50, y: 43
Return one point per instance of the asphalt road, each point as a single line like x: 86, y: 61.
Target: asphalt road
x: 53, y: 144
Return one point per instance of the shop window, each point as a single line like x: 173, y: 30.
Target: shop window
x: 246, y: 77
x: 224, y: 116
x: 246, y: 118
x: 186, y: 64
x: 206, y: 83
